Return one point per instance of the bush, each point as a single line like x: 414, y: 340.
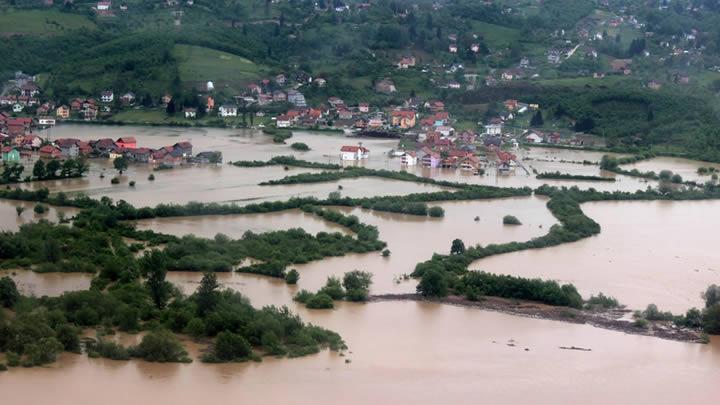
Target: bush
x: 357, y: 284
x: 115, y: 180
x: 303, y: 296
x: 195, y: 328
x: 333, y: 288
x: 386, y: 253
x: 160, y: 346
x: 299, y: 146
x: 511, y: 220
x: 652, y: 313
x: 132, y: 183
x: 151, y: 177
x: 40, y: 209
x: 292, y: 277
x: 433, y: 284
x: 602, y: 301
x: 320, y: 301
x: 436, y: 212
x: 231, y: 347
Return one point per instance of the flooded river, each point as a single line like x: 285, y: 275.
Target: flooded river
x: 658, y: 252
x: 406, y: 352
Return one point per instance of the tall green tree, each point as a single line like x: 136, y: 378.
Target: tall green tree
x: 154, y: 266
x: 208, y: 294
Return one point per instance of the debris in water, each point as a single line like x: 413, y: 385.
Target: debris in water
x: 582, y: 349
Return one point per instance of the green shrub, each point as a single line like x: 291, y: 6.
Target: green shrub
x: 602, y: 301
x: 292, y: 277
x: 320, y: 301
x: 299, y: 146
x: 115, y: 180
x: 436, y: 212
x: 511, y: 220
x: 40, y: 209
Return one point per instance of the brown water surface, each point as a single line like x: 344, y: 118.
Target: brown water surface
x: 658, y: 252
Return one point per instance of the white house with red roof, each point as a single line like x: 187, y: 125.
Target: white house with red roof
x: 358, y: 152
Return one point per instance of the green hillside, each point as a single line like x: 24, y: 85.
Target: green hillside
x: 41, y: 22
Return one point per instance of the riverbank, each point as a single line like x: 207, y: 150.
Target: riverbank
x: 605, y: 319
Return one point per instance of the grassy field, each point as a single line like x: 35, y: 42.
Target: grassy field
x: 199, y: 65
x: 496, y: 36
x: 41, y: 22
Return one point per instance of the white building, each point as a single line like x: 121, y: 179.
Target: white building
x: 107, y: 96
x: 228, y: 110
x: 46, y: 121
x: 283, y: 121
x: 210, y: 86
x: 104, y: 5
x: 409, y: 159
x: 494, y: 129
x: 354, y: 152
x: 534, y: 138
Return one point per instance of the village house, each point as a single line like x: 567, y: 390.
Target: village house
x: 406, y: 62
x: 228, y: 110
x: 494, y: 128
x: 140, y: 155
x: 208, y: 157
x: 107, y: 96
x: 403, y: 119
x: 29, y: 89
x: 621, y: 66
x: 279, y: 96
x: 190, y: 112
x: 68, y: 147
x: 534, y: 137
x: 103, y: 147
x: 409, y: 159
x: 335, y: 102
x: 344, y: 114
x: 253, y: 88
x: 429, y: 158
x: 127, y: 142
x: 453, y: 85
x: 280, y: 79
x: 364, y: 107
x: 104, y: 5
x: 90, y: 112
x: 127, y: 98
x: 452, y: 48
x: 354, y: 152
x: 375, y: 122
x: 50, y: 152
x: 283, y: 121
x: 296, y: 98
x: 10, y: 154
x: 320, y: 82
x: 183, y: 149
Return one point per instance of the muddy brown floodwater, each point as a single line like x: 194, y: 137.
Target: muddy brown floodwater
x: 406, y: 352
x: 657, y: 252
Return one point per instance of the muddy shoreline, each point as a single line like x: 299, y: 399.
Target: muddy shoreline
x: 605, y: 319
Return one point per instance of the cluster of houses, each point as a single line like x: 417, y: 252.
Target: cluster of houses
x: 67, y: 148
x: 280, y: 89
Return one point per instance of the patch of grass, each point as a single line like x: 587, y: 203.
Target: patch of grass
x: 41, y: 22
x: 496, y: 36
x: 199, y: 65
